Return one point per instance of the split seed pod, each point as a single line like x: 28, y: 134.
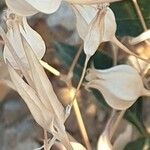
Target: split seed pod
x: 96, y: 24
x: 93, y: 25
x: 121, y: 85
x: 31, y: 7
x: 17, y: 26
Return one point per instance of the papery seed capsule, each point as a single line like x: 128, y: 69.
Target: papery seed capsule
x: 121, y: 85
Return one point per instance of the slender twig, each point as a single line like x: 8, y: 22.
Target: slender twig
x: 50, y: 68
x: 81, y: 79
x: 69, y: 75
x: 81, y: 124
x: 116, y: 124
x: 139, y: 13
x: 143, y: 23
x: 45, y: 140
x: 75, y: 102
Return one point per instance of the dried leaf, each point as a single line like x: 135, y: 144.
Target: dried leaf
x: 39, y: 112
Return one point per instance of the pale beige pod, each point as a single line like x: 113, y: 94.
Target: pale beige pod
x: 94, y: 25
x: 21, y: 7
x: 31, y: 7
x: 17, y: 29
x: 121, y: 85
x: 101, y: 29
x: 84, y: 15
x: 45, y: 6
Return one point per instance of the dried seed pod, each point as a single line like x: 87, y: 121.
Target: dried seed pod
x: 16, y: 27
x: 84, y: 15
x: 93, y: 25
x: 97, y: 24
x: 121, y: 85
x: 31, y: 7
x: 21, y: 7
x: 99, y: 30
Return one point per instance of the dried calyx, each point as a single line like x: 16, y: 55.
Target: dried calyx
x: 120, y: 86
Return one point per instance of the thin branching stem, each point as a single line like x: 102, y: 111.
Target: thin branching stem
x: 127, y: 50
x: 82, y: 77
x: 116, y: 124
x: 75, y: 102
x: 45, y: 140
x: 50, y: 68
x: 139, y: 13
x: 69, y: 75
x: 81, y: 125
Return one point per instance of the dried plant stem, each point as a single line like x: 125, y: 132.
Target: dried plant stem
x: 69, y: 75
x: 117, y: 122
x: 45, y: 140
x: 81, y: 124
x: 82, y: 77
x: 124, y: 48
x: 75, y: 102
x: 139, y: 13
x: 50, y: 68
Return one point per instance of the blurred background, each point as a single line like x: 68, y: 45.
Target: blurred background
x: 18, y: 130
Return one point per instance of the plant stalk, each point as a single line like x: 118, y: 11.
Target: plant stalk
x: 81, y: 125
x: 139, y: 13
x: 116, y: 124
